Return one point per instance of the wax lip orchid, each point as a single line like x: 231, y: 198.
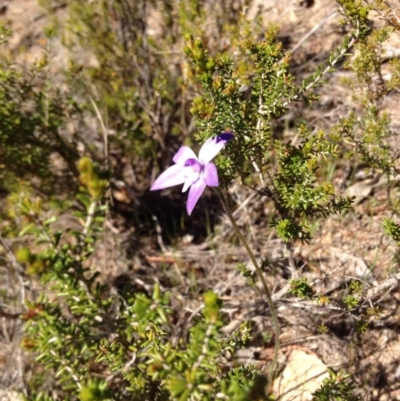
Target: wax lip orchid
x: 192, y: 171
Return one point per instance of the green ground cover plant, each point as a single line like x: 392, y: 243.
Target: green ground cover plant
x: 80, y: 149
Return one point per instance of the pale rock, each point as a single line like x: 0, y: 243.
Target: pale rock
x: 302, y: 375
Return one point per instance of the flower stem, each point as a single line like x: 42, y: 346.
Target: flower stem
x: 271, y: 305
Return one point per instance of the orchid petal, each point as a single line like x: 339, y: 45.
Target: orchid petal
x: 184, y: 153
x: 212, y: 146
x: 172, y: 176
x: 210, y: 176
x: 189, y: 182
x: 194, y: 194
x: 187, y: 185
x: 191, y: 175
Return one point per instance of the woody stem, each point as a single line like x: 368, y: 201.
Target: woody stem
x: 267, y: 292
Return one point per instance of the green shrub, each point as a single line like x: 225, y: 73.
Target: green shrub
x: 136, y: 97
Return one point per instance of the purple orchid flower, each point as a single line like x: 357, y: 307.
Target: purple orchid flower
x: 193, y: 172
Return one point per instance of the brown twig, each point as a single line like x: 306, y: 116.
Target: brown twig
x: 382, y: 289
